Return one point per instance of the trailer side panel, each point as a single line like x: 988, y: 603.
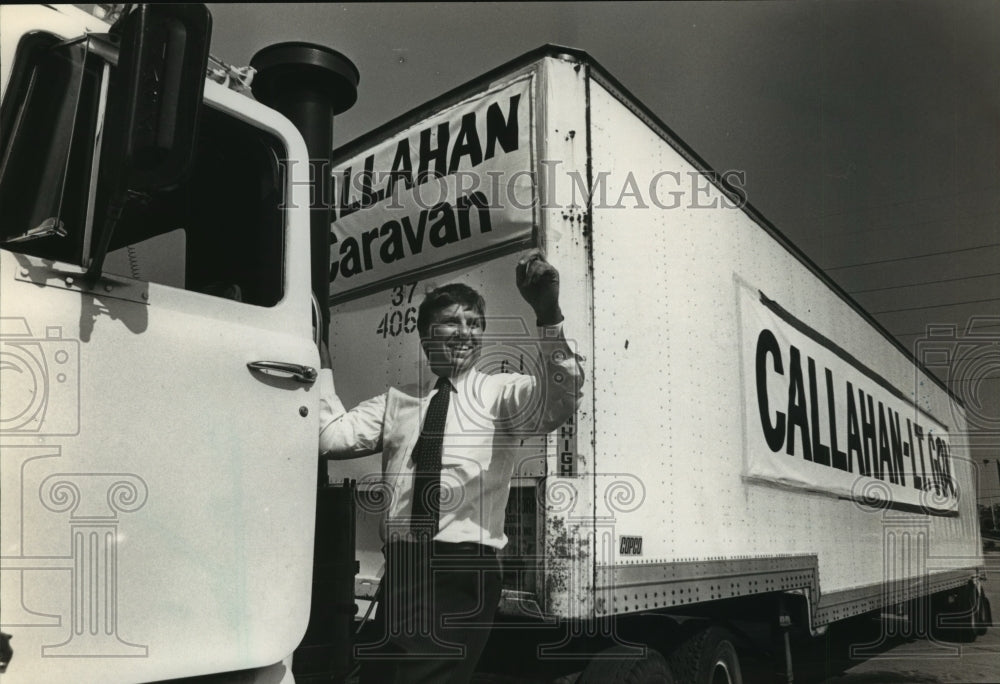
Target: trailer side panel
x: 682, y: 276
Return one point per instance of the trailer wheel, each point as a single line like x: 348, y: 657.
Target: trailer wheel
x: 968, y: 602
x: 707, y: 657
x: 616, y: 665
x: 984, y: 614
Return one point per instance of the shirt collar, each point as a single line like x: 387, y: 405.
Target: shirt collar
x: 458, y: 382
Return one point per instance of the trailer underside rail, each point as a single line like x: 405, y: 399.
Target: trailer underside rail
x: 850, y: 602
x: 646, y: 586
x: 649, y: 586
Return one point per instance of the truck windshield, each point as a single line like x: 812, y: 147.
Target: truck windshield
x: 220, y: 232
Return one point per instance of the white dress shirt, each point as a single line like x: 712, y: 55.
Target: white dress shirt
x: 488, y: 417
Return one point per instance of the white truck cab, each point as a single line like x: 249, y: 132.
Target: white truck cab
x: 158, y: 427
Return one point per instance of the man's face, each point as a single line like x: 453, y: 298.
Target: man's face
x: 454, y: 340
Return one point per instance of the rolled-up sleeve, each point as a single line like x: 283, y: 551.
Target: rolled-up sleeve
x: 544, y: 400
x: 348, y: 434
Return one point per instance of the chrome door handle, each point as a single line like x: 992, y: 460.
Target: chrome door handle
x: 299, y: 372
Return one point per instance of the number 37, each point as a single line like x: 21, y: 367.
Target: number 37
x: 398, y: 321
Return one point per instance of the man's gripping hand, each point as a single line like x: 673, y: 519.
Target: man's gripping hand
x: 538, y: 282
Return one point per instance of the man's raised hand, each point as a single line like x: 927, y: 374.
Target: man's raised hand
x: 538, y: 282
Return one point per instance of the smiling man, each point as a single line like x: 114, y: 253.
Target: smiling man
x: 449, y: 448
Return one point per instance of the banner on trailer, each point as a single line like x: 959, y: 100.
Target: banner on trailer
x: 443, y: 191
x: 819, y: 419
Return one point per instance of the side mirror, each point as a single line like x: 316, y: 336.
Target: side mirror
x: 154, y: 104
x: 157, y: 94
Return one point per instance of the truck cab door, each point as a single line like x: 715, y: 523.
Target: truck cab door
x: 158, y: 427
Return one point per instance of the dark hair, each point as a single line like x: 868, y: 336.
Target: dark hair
x: 443, y: 297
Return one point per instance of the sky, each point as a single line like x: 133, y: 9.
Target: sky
x: 868, y: 130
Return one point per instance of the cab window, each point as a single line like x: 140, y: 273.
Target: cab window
x: 220, y: 232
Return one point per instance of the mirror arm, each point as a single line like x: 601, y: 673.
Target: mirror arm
x: 105, y: 46
x: 120, y: 201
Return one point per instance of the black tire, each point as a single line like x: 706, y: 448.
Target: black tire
x: 707, y: 657
x: 984, y: 615
x: 618, y: 665
x: 963, y: 619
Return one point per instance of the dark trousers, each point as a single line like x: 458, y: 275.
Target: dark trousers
x: 436, y: 607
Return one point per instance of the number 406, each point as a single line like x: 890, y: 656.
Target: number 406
x: 397, y: 321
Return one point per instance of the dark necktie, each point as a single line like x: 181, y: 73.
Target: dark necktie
x: 427, y: 459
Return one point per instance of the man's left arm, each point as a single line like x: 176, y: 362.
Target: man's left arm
x: 559, y: 379
x: 562, y: 377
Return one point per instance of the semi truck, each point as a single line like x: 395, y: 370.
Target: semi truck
x: 753, y: 459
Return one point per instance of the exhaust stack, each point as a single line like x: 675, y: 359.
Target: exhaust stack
x: 310, y: 84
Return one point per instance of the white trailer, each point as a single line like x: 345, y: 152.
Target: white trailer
x: 751, y: 445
